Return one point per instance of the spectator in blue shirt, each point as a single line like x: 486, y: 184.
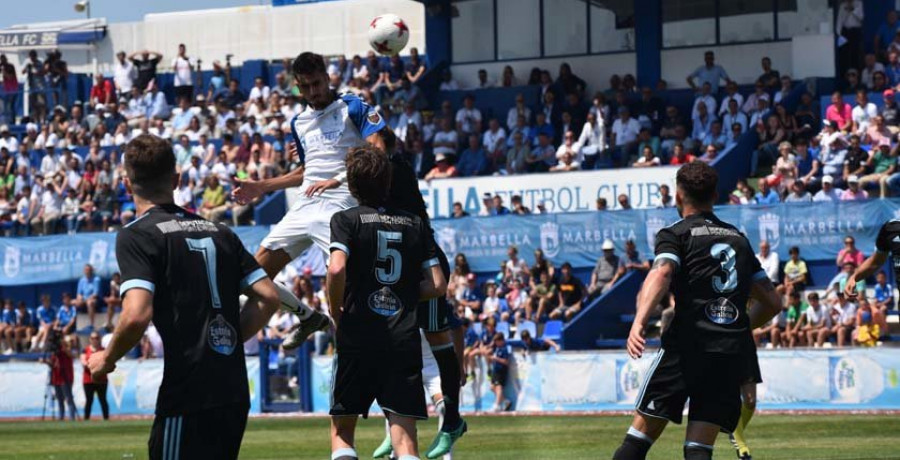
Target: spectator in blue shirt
x: 181, y: 121
x: 708, y: 73
x: 45, y: 316
x: 157, y: 107
x: 886, y: 32
x: 884, y: 294
x: 766, y: 195
x: 471, y: 297
x: 24, y: 328
x: 8, y: 327
x: 65, y: 317
x: 473, y: 161
x: 88, y: 292
x: 498, y: 358
x: 541, y: 126
x: 535, y: 344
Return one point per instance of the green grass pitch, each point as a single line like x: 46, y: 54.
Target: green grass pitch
x: 522, y: 437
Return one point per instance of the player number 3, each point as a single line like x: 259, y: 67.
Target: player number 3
x: 727, y: 281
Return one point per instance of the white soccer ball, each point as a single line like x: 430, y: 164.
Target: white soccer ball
x: 388, y: 34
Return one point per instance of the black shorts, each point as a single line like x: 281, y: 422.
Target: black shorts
x: 212, y: 434
x: 182, y: 92
x: 394, y: 380
x: 436, y: 315
x: 712, y: 382
x: 499, y: 378
x: 753, y: 374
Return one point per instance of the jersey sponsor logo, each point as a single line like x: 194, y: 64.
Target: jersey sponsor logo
x: 722, y: 311
x: 769, y: 229
x: 190, y: 226
x: 384, y: 302
x: 550, y: 239
x: 221, y: 336
x: 12, y: 261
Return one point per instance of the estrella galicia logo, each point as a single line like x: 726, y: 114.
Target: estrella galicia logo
x: 12, y: 261
x: 221, y: 336
x: 384, y: 302
x: 629, y: 380
x: 550, y: 239
x: 722, y: 311
x: 447, y: 240
x: 654, y: 225
x: 769, y: 229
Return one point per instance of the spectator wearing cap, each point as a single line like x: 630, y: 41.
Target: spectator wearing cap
x: 606, y: 271
x: 766, y: 195
x: 487, y: 205
x: 624, y: 137
x: 854, y: 192
x: 863, y: 113
x: 828, y: 192
x: 839, y: 113
x: 709, y: 72
x: 471, y: 297
x: 442, y: 168
x: 882, y: 163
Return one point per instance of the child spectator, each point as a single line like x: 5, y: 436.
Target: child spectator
x: 796, y: 275
x: 8, y: 326
x: 498, y: 357
x: 46, y: 317
x: 65, y: 317
x: 24, y: 327
x: 534, y: 344
x: 491, y: 304
x: 867, y: 332
x: 542, y: 299
x: 516, y: 299
x: 471, y: 298
x: 845, y: 321
x: 471, y: 344
x: 818, y: 321
x: 884, y: 297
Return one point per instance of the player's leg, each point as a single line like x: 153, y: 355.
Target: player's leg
x: 343, y: 430
x: 699, y: 440
x: 714, y: 387
x: 89, y: 389
x: 641, y: 435
x: 748, y: 408
x: 403, y: 437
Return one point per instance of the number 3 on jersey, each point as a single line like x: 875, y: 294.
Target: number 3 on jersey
x: 386, y: 253
x: 727, y: 281
x: 207, y: 249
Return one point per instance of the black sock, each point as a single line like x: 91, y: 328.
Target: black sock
x: 632, y: 448
x: 696, y: 451
x: 448, y: 366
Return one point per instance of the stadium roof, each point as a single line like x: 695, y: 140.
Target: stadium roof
x: 49, y: 35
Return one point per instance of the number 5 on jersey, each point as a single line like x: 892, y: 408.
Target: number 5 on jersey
x: 391, y: 256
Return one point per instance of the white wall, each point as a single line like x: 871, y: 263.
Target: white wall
x: 251, y: 32
x: 742, y: 62
x: 594, y: 70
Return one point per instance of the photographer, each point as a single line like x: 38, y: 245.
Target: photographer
x: 93, y: 385
x: 62, y: 375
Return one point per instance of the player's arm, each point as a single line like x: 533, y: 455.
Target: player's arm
x: 336, y: 282
x: 433, y: 283
x: 255, y: 315
x: 249, y: 190
x: 654, y: 291
x: 867, y: 269
x: 768, y: 302
x: 137, y: 311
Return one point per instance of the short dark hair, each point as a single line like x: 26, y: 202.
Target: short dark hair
x: 697, y: 181
x: 369, y: 175
x: 150, y: 165
x: 308, y: 63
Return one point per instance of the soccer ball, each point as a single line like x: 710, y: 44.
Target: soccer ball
x: 388, y: 34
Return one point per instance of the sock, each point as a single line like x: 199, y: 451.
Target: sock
x: 346, y: 453
x: 290, y: 302
x: 697, y: 451
x: 408, y: 457
x: 634, y: 447
x: 448, y: 366
x: 746, y: 415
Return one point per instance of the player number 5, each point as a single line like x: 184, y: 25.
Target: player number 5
x: 728, y: 281
x: 391, y: 274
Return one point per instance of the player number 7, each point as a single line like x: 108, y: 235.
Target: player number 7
x: 207, y: 249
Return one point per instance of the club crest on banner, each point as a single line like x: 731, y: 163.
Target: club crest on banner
x: 446, y: 239
x: 769, y: 229
x: 550, y: 239
x: 99, y: 250
x: 654, y: 225
x: 12, y: 261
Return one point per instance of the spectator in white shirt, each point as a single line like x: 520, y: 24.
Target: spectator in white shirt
x: 752, y: 102
x: 769, y: 262
x: 592, y: 140
x: 259, y: 90
x: 123, y: 74
x: 520, y: 109
x: 494, y: 142
x: 448, y: 83
x: 732, y: 116
x: 50, y: 210
x: 184, y: 82
x: 828, y: 192
x: 647, y: 159
x: 566, y: 163
x: 863, y: 113
x: 625, y: 131
x: 731, y: 90
x: 50, y: 163
x: 569, y: 145
x: 702, y: 121
x: 706, y: 98
x: 446, y: 141
x: 483, y: 81
x: 869, y: 68
x: 468, y: 118
x: 410, y: 116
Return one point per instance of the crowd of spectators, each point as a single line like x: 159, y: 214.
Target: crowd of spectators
x: 811, y: 317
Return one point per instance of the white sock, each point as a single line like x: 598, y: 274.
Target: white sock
x: 344, y: 453
x: 408, y: 457
x: 290, y: 302
x: 632, y: 431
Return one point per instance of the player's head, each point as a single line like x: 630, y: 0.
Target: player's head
x: 150, y: 169
x: 312, y: 79
x: 696, y: 184
x: 369, y: 175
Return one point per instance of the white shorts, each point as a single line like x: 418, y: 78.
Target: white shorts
x: 308, y: 222
x: 431, y: 374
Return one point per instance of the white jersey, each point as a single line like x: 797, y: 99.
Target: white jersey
x: 324, y: 137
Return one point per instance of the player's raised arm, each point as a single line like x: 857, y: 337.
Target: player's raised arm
x: 248, y: 190
x: 767, y: 305
x: 654, y: 290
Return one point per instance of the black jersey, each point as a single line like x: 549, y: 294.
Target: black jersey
x: 716, y: 268
x: 888, y: 242
x: 387, y: 251
x: 405, y: 194
x: 195, y: 270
